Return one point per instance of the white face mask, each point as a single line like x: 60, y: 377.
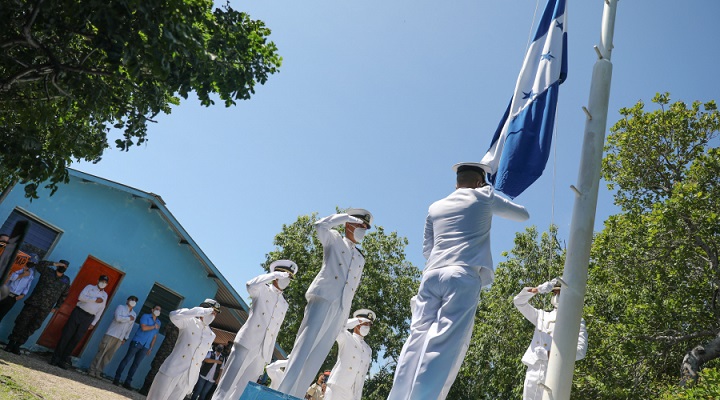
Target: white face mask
x: 132, y: 303
x: 555, y: 300
x: 364, y: 330
x: 283, y: 283
x: 102, y: 284
x: 359, y: 234
x: 208, y: 319
x: 156, y: 313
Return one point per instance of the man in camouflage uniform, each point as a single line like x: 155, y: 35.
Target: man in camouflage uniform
x: 50, y: 292
x: 166, y: 347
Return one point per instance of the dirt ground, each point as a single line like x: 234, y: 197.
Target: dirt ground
x: 30, y: 377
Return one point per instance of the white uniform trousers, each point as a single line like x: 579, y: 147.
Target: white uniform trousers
x: 535, y: 374
x: 243, y: 366
x: 337, y: 392
x: 320, y: 326
x: 443, y: 314
x: 168, y: 388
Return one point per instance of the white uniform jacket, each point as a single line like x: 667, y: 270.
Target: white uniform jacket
x: 193, y: 343
x: 353, y: 362
x: 457, y: 229
x: 267, y: 313
x: 342, y: 266
x: 544, y: 322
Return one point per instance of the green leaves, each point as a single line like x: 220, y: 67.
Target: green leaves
x: 89, y: 65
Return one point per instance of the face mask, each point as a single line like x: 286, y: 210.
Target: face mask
x: 61, y: 269
x: 102, y: 285
x: 555, y: 300
x: 132, y: 303
x: 364, y: 330
x: 156, y: 313
x: 283, y: 283
x: 359, y: 234
x: 208, y: 319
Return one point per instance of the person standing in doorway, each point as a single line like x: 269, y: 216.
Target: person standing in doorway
x: 115, y: 336
x: 49, y: 294
x: 140, y: 346
x: 18, y: 285
x: 90, y: 306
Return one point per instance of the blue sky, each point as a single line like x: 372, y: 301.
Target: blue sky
x: 376, y: 100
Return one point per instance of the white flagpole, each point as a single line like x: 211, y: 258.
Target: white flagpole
x: 558, y: 382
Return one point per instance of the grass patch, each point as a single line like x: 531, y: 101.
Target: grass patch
x: 10, y: 389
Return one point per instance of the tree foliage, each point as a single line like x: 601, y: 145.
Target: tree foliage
x: 653, y: 279
x: 388, y: 283
x: 70, y: 71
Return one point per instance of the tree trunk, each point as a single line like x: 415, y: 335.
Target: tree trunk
x: 695, y: 358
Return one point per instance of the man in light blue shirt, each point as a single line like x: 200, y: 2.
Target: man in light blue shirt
x: 140, y: 346
x: 19, y: 284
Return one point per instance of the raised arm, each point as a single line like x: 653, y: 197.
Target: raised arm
x: 184, y: 316
x: 521, y: 302
x: 324, y: 226
x: 505, y: 208
x: 254, y: 284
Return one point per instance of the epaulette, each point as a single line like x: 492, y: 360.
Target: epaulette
x: 360, y: 251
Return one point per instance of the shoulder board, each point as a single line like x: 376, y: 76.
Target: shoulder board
x: 360, y: 251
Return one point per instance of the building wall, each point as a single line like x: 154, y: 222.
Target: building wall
x: 123, y: 231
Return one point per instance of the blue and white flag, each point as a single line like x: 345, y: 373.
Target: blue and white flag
x: 521, y: 146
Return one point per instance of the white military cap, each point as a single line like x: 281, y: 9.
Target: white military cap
x: 472, y: 166
x: 361, y: 213
x: 284, y: 265
x: 365, y: 313
x: 211, y: 303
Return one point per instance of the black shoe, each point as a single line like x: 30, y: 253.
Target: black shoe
x: 63, y: 365
x: 53, y: 361
x: 116, y: 382
x: 15, y: 350
x: 127, y: 386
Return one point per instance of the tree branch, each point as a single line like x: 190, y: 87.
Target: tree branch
x: 679, y: 338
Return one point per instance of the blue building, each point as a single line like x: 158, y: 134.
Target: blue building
x: 106, y: 228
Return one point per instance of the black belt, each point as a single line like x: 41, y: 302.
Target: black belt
x: 13, y: 295
x: 83, y: 311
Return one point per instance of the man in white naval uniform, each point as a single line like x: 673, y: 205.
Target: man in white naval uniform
x: 180, y: 370
x: 459, y: 262
x: 255, y: 341
x: 329, y: 297
x: 537, y: 354
x: 354, y: 357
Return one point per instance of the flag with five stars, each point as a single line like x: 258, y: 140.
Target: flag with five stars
x: 521, y: 145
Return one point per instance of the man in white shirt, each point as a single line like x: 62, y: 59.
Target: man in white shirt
x: 537, y: 354
x: 459, y: 262
x: 254, y: 343
x: 117, y: 333
x: 354, y: 358
x: 180, y: 371
x: 87, y: 312
x: 18, y: 285
x: 329, y: 297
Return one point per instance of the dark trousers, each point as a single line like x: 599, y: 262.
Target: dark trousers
x: 73, y: 331
x: 5, y: 305
x: 202, y: 387
x: 27, y: 322
x: 136, y: 352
